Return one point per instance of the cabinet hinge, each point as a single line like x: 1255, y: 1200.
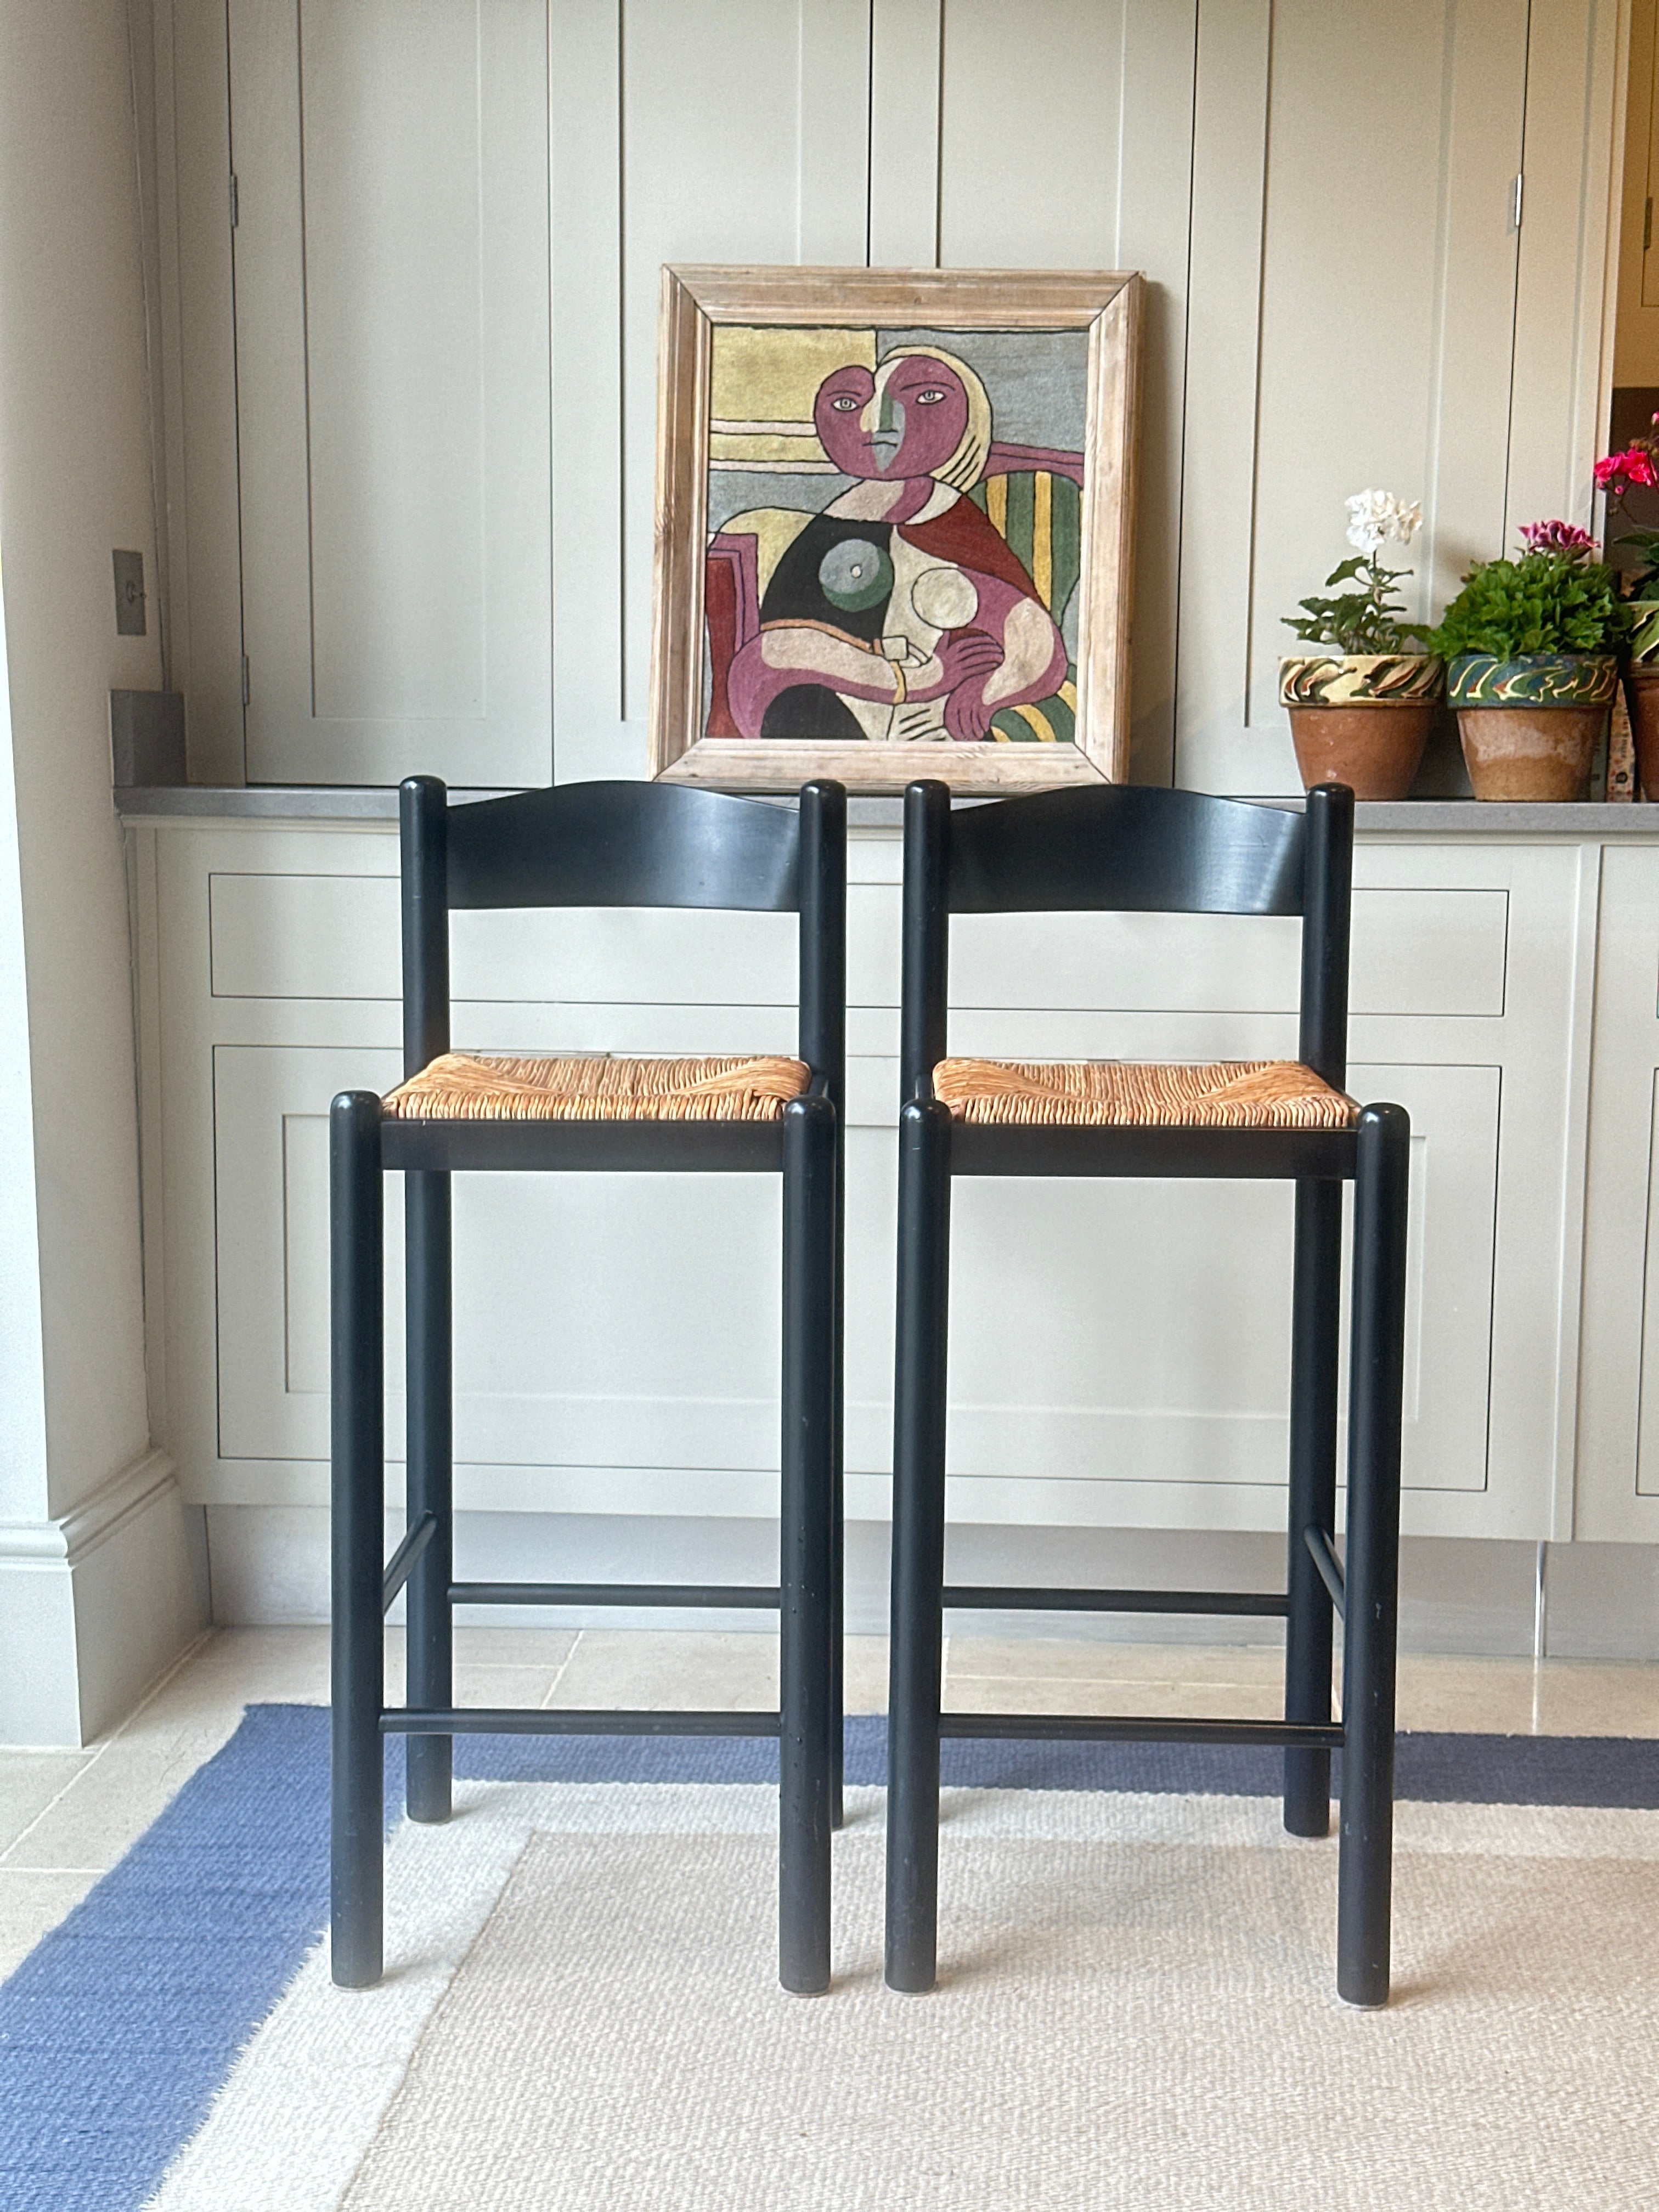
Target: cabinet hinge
x: 235, y: 211
x: 247, y: 690
x: 1516, y: 187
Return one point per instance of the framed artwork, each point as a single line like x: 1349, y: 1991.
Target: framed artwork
x: 894, y: 527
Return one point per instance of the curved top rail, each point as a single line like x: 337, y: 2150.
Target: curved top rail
x: 1125, y: 848
x: 624, y: 844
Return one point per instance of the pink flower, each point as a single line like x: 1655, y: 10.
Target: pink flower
x: 1558, y: 538
x: 1632, y: 466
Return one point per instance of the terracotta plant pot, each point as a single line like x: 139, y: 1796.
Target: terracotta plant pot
x: 1361, y: 719
x: 1530, y: 726
x: 1642, y: 698
x: 1376, y: 750
x: 1530, y: 752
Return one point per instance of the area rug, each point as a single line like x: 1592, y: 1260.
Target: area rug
x: 1136, y: 2006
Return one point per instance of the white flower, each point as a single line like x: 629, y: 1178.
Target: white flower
x: 1375, y: 515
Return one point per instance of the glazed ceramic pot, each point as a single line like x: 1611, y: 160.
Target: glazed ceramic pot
x: 1642, y: 695
x: 1361, y: 719
x: 1530, y: 726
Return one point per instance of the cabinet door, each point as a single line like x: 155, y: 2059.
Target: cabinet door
x: 1618, y: 1488
x: 392, y: 301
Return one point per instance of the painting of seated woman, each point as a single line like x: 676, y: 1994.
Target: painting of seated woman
x: 894, y: 545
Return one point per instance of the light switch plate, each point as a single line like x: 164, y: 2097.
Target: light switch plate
x: 129, y: 594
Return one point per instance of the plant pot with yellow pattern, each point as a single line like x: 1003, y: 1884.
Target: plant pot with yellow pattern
x: 1362, y: 704
x: 1361, y: 719
x: 1531, y: 648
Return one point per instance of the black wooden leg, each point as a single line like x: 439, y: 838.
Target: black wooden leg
x: 1316, y: 1307
x: 806, y: 1544
x: 428, y: 1640
x: 917, y: 1610
x: 359, y: 1538
x: 838, y: 1538
x: 1365, y: 1863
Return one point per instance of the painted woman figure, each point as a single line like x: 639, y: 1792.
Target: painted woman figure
x: 899, y: 612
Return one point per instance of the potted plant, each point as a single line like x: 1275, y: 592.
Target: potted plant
x: 1361, y: 709
x: 1531, y: 647
x: 1639, y: 464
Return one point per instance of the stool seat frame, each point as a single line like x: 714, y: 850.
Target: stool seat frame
x: 602, y: 844
x: 1126, y: 848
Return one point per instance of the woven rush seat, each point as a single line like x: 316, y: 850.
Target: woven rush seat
x: 459, y: 1087
x: 1222, y: 1094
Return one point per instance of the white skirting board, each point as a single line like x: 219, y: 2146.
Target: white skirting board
x: 94, y: 1606
x: 270, y: 1565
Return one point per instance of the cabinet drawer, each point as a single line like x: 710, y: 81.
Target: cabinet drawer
x: 336, y: 937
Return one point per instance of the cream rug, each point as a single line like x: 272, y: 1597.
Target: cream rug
x: 1137, y: 2011
x: 1148, y: 2025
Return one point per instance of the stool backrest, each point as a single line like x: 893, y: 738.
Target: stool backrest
x: 1126, y: 848
x: 625, y: 844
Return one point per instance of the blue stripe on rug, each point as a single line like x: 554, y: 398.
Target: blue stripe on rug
x: 119, y: 2028
x: 1432, y: 1769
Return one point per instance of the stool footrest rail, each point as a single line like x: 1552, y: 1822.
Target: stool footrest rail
x: 652, y: 1593
x: 976, y: 1599
x: 1136, y: 1728
x: 1319, y: 1543
x: 536, y: 1720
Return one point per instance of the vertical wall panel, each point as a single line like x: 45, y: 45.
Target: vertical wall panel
x: 656, y: 161
x: 1223, y: 338
x: 905, y: 55
x: 393, y: 362
x: 1565, y: 242
x: 1385, y: 319
x: 1066, y: 141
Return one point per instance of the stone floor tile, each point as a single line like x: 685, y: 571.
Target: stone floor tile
x: 704, y: 1670
x: 1081, y: 1659
x: 31, y: 1904
x: 29, y: 1780
x: 1051, y: 1693
x: 865, y: 1674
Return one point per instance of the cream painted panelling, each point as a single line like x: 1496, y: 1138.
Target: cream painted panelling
x: 1619, y: 1430
x: 1121, y: 1355
x: 392, y: 358
x: 1354, y: 285
x: 1321, y: 192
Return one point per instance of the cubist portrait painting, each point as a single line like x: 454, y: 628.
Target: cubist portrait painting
x: 893, y: 535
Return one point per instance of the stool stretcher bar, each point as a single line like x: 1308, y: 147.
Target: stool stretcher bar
x: 1318, y: 1542
x: 533, y: 1720
x: 1004, y: 1597
x: 397, y: 1566
x: 662, y: 1593
x: 1136, y: 1728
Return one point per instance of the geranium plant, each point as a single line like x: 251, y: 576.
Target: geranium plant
x: 1556, y: 597
x: 1367, y: 618
x: 1639, y: 464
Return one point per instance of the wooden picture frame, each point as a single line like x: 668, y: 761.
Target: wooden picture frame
x: 943, y: 598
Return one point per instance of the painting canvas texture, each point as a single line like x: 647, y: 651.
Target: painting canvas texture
x: 894, y: 526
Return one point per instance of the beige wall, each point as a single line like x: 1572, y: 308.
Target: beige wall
x: 74, y: 483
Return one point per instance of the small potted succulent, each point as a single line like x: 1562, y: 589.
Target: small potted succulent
x: 1361, y: 709
x: 1639, y: 464
x: 1531, y: 647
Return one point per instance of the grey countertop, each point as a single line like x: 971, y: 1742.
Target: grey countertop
x: 1421, y: 817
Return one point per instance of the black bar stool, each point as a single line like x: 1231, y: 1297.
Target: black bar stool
x: 594, y: 844
x: 1129, y: 849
